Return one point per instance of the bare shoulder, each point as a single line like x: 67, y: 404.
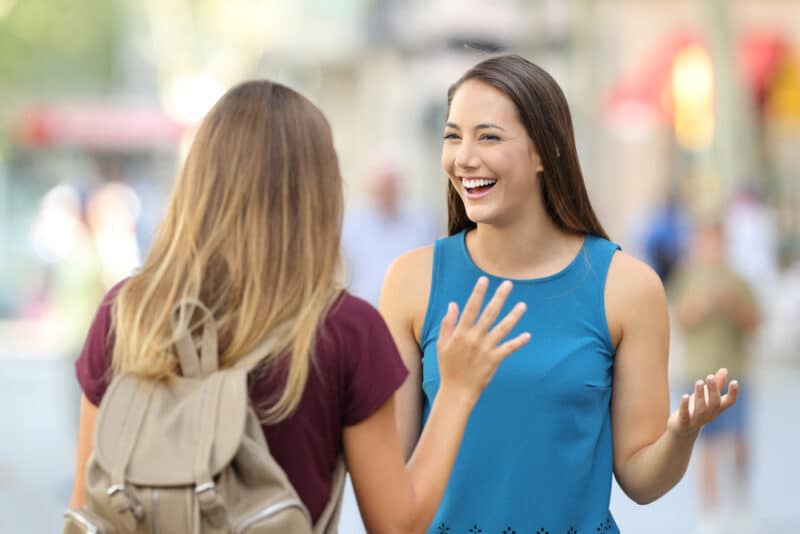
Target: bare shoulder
x: 407, y: 286
x: 631, y: 279
x: 632, y: 288
x: 411, y: 265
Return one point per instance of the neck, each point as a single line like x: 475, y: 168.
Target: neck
x: 525, y: 249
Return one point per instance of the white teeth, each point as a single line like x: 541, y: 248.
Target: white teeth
x: 471, y: 183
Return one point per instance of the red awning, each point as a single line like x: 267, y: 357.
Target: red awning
x: 760, y: 55
x: 95, y: 125
x: 648, y: 86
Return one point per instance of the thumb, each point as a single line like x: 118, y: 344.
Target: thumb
x: 448, y: 322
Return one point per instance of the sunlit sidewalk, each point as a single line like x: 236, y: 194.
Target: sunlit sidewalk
x: 39, y: 414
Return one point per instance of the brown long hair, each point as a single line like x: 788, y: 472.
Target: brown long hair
x: 543, y: 111
x: 251, y: 230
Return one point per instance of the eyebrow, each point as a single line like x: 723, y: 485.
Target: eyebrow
x: 481, y: 126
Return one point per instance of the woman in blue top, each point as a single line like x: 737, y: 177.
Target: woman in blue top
x: 588, y: 395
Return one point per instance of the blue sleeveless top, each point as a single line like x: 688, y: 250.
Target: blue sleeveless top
x: 536, y: 455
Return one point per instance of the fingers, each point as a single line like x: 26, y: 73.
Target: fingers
x: 713, y: 395
x: 504, y: 327
x: 505, y: 350
x: 706, y: 403
x: 494, y: 307
x: 699, y: 399
x: 475, y: 327
x: 448, y: 324
x: 473, y: 305
x: 729, y: 399
x: 722, y: 378
x: 684, y: 416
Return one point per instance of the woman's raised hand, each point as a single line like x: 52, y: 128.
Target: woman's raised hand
x: 470, y: 347
x: 704, y: 404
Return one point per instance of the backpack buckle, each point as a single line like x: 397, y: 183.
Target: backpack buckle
x: 202, y: 488
x: 210, y: 503
x: 114, y: 488
x: 122, y: 501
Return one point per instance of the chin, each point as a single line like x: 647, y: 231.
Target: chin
x: 480, y: 215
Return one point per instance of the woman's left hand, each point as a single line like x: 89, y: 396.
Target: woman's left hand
x: 704, y: 405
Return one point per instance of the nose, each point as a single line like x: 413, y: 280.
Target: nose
x: 466, y: 157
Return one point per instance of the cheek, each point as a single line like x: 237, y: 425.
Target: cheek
x: 456, y: 184
x: 448, y: 159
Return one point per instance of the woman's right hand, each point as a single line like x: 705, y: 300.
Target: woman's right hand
x: 469, y: 349
x: 394, y: 496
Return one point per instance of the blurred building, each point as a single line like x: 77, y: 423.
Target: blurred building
x: 687, y: 100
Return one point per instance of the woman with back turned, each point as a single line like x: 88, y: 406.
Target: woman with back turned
x: 252, y: 232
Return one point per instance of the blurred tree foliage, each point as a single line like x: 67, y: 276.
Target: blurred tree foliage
x: 57, y: 47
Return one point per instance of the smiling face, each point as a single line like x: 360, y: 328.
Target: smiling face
x: 489, y: 157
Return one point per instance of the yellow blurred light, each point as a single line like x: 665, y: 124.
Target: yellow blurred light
x: 693, y: 98
x: 187, y: 99
x: 783, y: 99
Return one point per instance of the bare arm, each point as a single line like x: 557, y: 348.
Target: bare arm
x: 403, y: 303
x: 651, y: 448
x: 395, y: 497
x: 88, y: 414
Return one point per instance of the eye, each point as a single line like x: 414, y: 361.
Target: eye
x: 451, y: 136
x: 489, y: 137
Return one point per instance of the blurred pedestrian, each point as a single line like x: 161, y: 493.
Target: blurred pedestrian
x: 378, y: 231
x: 716, y: 309
x: 665, y: 236
x: 752, y: 236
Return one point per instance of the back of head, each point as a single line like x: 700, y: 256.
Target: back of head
x: 251, y: 230
x: 543, y: 111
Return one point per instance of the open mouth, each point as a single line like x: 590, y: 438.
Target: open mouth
x: 478, y: 185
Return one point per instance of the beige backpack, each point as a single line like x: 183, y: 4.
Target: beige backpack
x: 188, y: 455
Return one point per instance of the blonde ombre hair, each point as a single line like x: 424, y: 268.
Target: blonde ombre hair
x: 251, y: 230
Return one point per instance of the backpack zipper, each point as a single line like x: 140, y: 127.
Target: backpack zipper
x: 273, y: 509
x: 80, y: 518
x: 154, y: 512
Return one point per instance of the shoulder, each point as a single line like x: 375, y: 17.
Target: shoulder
x: 632, y: 288
x: 93, y: 363
x: 355, y: 322
x: 407, y: 286
x: 411, y: 265
x: 364, y: 349
x: 349, y: 310
x: 102, y: 321
x: 598, y: 242
x: 408, y: 277
x: 632, y: 278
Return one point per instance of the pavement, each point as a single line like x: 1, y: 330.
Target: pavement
x: 39, y: 397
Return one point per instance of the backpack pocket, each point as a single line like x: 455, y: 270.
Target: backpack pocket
x: 83, y: 521
x: 284, y: 516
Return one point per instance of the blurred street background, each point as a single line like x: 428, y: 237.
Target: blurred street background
x: 685, y: 111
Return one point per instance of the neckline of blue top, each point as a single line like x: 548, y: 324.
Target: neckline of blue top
x: 462, y: 240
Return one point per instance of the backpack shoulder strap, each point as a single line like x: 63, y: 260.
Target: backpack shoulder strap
x: 265, y: 347
x: 193, y: 366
